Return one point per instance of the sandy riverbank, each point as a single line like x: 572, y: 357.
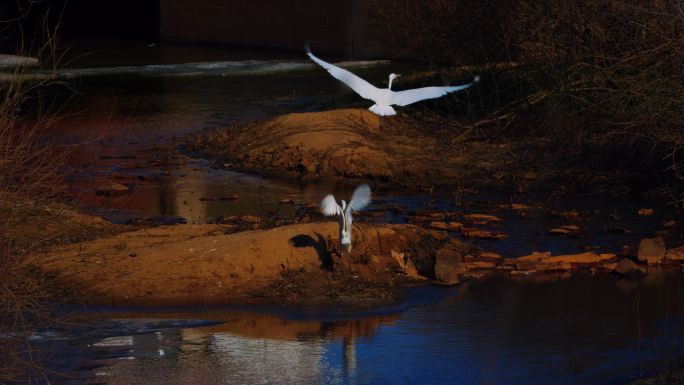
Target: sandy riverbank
x: 350, y: 143
x: 199, y: 264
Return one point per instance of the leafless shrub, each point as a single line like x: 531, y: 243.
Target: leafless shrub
x: 29, y: 182
x: 598, y: 73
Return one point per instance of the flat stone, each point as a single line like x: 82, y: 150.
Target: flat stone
x: 438, y: 226
x: 627, y: 267
x: 481, y: 218
x: 470, y: 232
x: 455, y: 226
x: 480, y: 265
x: 491, y: 257
x: 535, y: 256
x: 675, y: 255
x: 544, y: 261
x: 583, y: 259
x: 111, y: 189
x: 651, y: 250
x: 569, y: 230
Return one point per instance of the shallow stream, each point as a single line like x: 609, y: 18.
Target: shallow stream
x: 549, y: 330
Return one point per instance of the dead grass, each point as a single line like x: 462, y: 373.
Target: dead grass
x: 599, y: 83
x: 30, y: 181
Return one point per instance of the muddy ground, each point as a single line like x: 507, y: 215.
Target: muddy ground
x: 202, y: 265
x: 352, y: 143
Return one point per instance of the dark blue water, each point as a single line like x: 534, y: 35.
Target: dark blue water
x: 565, y: 330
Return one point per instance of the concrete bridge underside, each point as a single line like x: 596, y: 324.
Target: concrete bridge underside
x: 338, y: 27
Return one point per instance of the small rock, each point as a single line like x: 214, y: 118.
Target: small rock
x: 470, y: 232
x: 571, y: 230
x: 645, y: 212
x: 675, y: 255
x: 481, y: 219
x: 112, y: 189
x: 627, y: 267
x: 132, y: 255
x: 400, y: 258
x: 583, y: 259
x: 669, y: 224
x: 455, y: 226
x: 546, y: 262
x: 286, y: 201
x: 480, y: 265
x: 651, y: 250
x: 491, y: 257
x: 448, y: 266
x: 515, y: 206
x: 204, y: 199
x: 438, y: 226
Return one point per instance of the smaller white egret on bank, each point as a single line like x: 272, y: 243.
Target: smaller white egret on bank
x: 384, y: 98
x: 329, y: 206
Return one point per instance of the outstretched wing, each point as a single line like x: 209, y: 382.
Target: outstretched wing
x: 330, y: 207
x: 404, y: 98
x: 360, y: 86
x: 361, y: 197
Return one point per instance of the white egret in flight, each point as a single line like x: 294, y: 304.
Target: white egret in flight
x: 360, y: 199
x: 384, y: 98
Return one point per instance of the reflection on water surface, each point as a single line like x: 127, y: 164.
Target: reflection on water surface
x: 544, y: 330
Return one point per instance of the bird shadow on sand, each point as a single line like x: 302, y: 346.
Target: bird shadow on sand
x: 320, y: 245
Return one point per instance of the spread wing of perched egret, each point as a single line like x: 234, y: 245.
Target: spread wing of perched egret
x: 329, y: 206
x: 384, y: 98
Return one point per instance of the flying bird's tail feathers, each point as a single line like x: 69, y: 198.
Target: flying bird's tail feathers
x: 382, y: 110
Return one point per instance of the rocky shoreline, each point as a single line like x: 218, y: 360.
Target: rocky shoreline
x: 303, y: 264
x: 251, y: 259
